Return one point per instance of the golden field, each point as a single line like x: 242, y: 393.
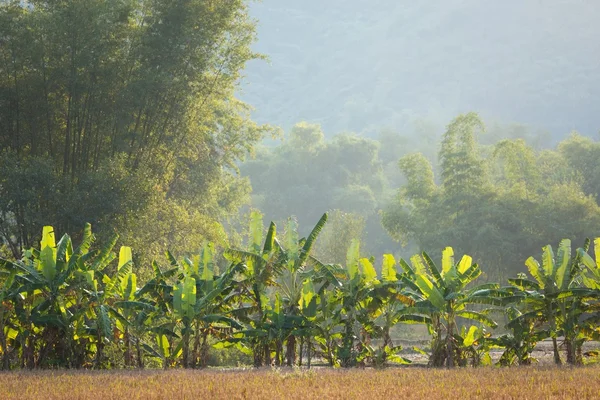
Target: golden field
x: 393, y: 383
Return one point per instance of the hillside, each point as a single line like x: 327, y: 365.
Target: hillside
x: 359, y: 66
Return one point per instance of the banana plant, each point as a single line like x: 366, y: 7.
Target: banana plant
x: 520, y: 341
x: 277, y: 327
x: 158, y: 292
x: 199, y: 302
x: 474, y: 346
x: 554, y: 297
x: 360, y: 302
x: 262, y: 264
x: 134, y: 316
x: 49, y: 303
x: 184, y: 302
x: 104, y: 296
x: 165, y: 336
x: 356, y: 307
x: 7, y: 332
x: 295, y: 274
x: 133, y: 322
x: 127, y: 307
x: 441, y: 296
x: 589, y: 320
x: 388, y: 308
x: 591, y: 273
x: 322, y: 310
x: 355, y: 295
x: 213, y: 311
x: 55, y: 299
x: 308, y: 312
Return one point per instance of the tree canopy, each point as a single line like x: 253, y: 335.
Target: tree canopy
x: 497, y: 202
x: 123, y: 113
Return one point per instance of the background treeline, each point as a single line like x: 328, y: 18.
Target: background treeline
x: 84, y: 307
x: 494, y: 195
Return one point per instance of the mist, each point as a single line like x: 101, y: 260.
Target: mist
x: 358, y: 87
x: 359, y: 66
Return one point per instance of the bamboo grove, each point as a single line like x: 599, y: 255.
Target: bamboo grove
x: 62, y: 305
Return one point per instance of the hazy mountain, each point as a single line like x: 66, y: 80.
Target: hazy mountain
x: 359, y: 65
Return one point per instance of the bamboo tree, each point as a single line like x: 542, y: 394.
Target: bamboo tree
x: 133, y: 99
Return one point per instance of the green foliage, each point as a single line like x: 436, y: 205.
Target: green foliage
x: 81, y: 307
x: 500, y: 202
x: 520, y: 342
x: 122, y: 114
x: 441, y: 296
x: 306, y: 173
x: 555, y: 303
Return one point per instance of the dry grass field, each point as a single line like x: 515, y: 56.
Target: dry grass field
x: 393, y: 383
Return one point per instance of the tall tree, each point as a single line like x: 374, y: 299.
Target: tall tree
x: 122, y: 111
x: 307, y: 174
x: 499, y: 203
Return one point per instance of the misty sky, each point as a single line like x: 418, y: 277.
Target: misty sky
x: 358, y: 65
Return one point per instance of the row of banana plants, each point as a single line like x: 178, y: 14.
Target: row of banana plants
x: 61, y: 305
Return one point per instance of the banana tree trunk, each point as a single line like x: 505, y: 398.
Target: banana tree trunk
x: 99, y: 352
x: 258, y: 353
x: 308, y: 352
x: 5, y: 355
x: 204, y: 350
x: 550, y: 312
x: 522, y: 355
x: 196, y: 350
x: 128, y: 354
x: 450, y: 351
x: 570, y: 351
x: 387, y: 339
x: 23, y: 344
x: 186, y: 351
x: 29, y: 354
x: 167, y: 359
x: 557, y: 359
x: 186, y: 342
x: 347, y: 345
x: 267, y: 357
x: 330, y: 357
x: 573, y: 351
x: 301, y: 351
x: 290, y: 351
x: 438, y: 344
x: 3, y: 345
x: 140, y: 357
x: 277, y: 354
